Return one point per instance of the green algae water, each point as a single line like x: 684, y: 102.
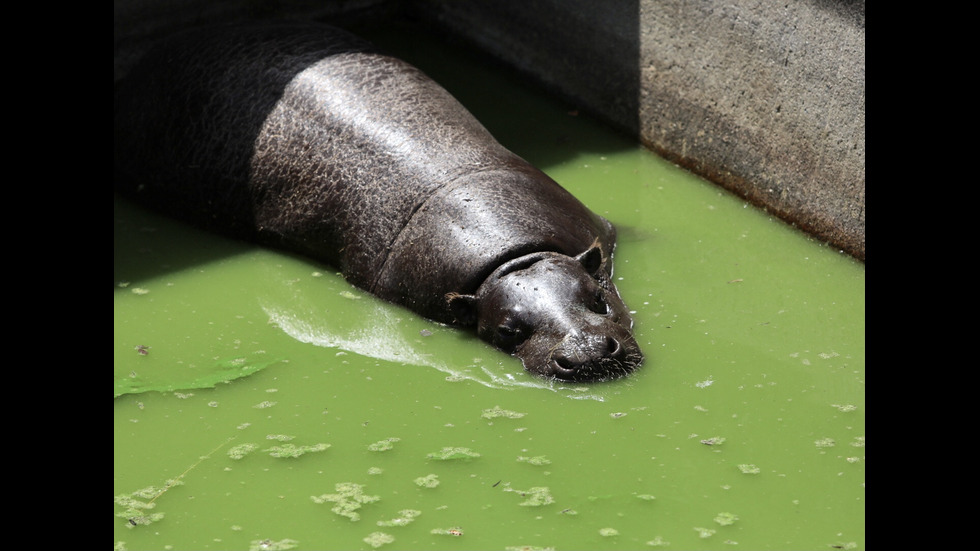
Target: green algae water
x: 261, y: 402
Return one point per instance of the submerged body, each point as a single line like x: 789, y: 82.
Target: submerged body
x: 305, y: 138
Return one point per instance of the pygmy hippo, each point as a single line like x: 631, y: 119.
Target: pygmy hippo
x: 304, y: 137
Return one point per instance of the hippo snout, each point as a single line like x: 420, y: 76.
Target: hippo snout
x: 574, y: 357
x: 593, y: 358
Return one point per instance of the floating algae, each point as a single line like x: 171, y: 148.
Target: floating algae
x: 241, y: 450
x: 292, y: 450
x: 726, y: 519
x: 497, y: 411
x: 383, y: 445
x: 406, y: 516
x: 377, y: 539
x: 749, y: 468
x: 536, y: 496
x: 536, y: 460
x: 607, y: 532
x: 428, y: 481
x: 270, y: 545
x: 135, y: 507
x: 449, y: 453
x: 704, y: 532
x: 348, y: 499
x: 454, y: 531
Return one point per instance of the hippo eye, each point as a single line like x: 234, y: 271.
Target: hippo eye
x: 510, y: 333
x: 597, y: 302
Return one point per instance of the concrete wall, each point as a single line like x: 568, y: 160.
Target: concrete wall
x: 763, y: 98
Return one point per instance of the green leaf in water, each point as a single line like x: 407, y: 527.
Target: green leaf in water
x: 222, y: 371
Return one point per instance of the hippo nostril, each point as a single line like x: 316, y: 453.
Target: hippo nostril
x: 564, y: 362
x: 613, y: 347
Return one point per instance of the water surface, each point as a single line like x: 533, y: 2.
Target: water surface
x: 262, y: 402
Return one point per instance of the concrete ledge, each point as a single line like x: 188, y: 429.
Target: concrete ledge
x: 765, y: 99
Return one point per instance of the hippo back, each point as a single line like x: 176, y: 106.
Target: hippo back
x: 306, y: 138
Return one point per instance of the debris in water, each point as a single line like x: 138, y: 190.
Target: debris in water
x: 825, y: 443
x: 846, y: 408
x: 713, y: 441
x: 658, y: 542
x: 617, y: 415
x: 705, y: 383
x: 142, y: 349
x: 279, y: 437
x: 536, y: 460
x: 749, y: 468
x: 608, y: 532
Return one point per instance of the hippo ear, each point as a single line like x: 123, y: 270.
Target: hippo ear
x: 463, y: 308
x: 591, y: 259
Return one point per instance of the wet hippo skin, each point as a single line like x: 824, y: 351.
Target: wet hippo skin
x: 306, y: 138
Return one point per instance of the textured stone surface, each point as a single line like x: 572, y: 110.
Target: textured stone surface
x: 765, y: 99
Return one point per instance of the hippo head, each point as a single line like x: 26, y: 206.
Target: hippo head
x: 559, y: 314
